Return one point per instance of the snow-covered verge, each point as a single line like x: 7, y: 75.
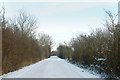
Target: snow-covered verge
x: 52, y: 67
x: 87, y: 69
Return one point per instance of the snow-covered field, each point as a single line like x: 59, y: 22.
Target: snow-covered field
x: 52, y: 67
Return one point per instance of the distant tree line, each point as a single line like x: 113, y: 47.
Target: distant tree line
x: 99, y: 51
x: 20, y: 45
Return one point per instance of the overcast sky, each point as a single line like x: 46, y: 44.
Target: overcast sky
x: 64, y: 20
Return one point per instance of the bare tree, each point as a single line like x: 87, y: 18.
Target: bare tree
x: 2, y: 17
x: 26, y: 22
x: 46, y: 40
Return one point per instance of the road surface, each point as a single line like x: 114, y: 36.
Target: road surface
x: 52, y: 67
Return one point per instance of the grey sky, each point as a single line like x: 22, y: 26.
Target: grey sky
x: 63, y: 20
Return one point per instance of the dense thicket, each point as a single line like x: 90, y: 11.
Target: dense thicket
x: 20, y: 47
x: 64, y: 51
x: 99, y: 50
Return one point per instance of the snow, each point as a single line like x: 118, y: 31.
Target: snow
x: 52, y: 67
x: 101, y: 59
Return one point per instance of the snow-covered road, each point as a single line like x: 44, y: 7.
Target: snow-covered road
x: 52, y: 67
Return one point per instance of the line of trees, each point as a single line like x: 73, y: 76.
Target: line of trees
x: 98, y: 51
x: 20, y: 45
